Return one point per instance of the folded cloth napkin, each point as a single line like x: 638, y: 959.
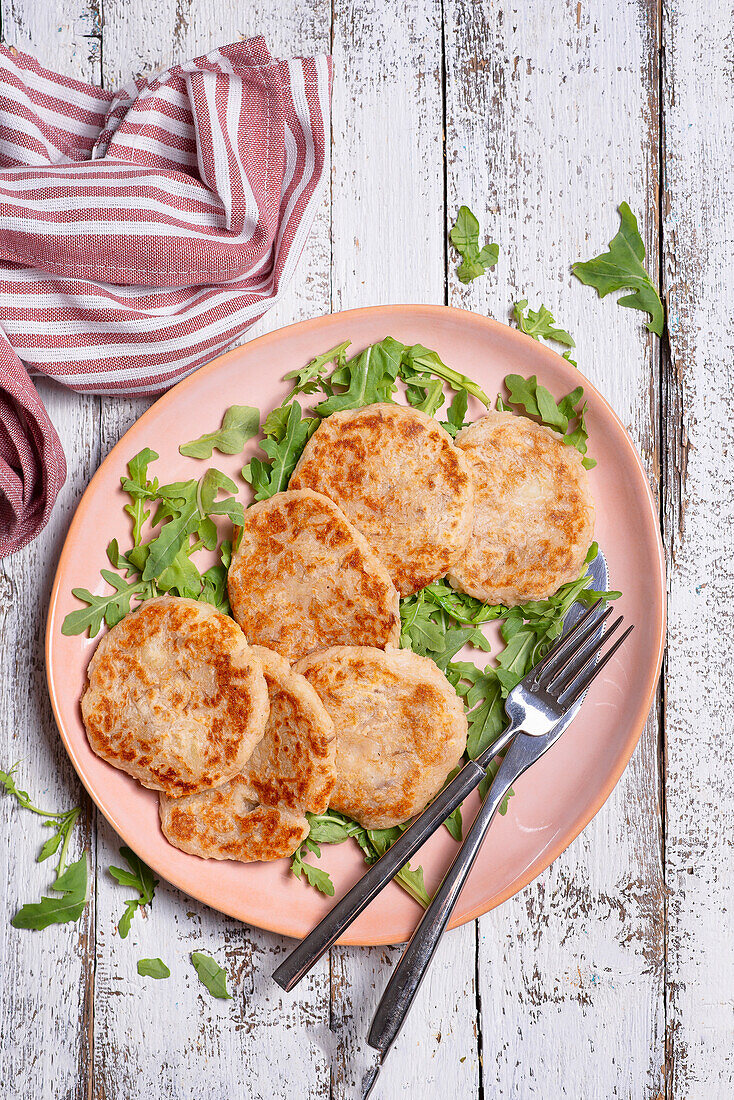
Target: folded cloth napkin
x: 141, y: 232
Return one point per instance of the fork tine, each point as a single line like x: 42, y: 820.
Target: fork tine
x: 564, y: 642
x: 582, y: 656
x: 593, y: 672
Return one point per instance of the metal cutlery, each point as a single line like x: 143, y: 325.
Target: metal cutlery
x: 540, y: 705
x: 549, y: 696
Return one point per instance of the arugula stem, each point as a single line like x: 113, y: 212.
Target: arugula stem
x: 68, y: 826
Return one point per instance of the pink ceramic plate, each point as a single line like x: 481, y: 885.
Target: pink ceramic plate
x: 553, y: 802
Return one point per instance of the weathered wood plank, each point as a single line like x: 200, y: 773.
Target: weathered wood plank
x: 48, y: 977
x: 388, y: 217
x: 698, y: 272
x: 551, y: 122
x: 145, y: 1041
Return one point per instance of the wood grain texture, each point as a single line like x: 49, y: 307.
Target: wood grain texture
x: 171, y: 1038
x: 387, y: 190
x: 47, y: 977
x: 551, y: 122
x: 698, y: 236
x: 547, y: 115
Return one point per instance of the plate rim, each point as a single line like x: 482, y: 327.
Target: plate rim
x: 638, y: 720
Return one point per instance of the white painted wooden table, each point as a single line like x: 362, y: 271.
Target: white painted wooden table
x: 612, y: 974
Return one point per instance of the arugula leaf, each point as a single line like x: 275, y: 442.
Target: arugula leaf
x: 464, y: 236
x: 153, y: 968
x: 456, y: 413
x: 209, y: 486
x: 320, y: 880
x: 537, y: 323
x: 269, y: 478
x: 137, y: 469
x: 420, y: 358
x: 109, y: 608
x: 239, y: 423
x: 538, y: 401
x: 308, y: 377
x: 378, y: 841
x: 140, y: 878
x: 621, y: 268
x: 335, y: 828
x: 70, y: 881
x: 369, y: 378
x: 454, y: 823
x: 180, y: 504
x: 211, y: 975
x: 72, y: 884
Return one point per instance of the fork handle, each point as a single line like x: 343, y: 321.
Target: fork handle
x: 406, y: 979
x: 327, y: 931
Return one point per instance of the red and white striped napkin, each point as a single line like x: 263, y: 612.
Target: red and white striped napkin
x: 141, y: 232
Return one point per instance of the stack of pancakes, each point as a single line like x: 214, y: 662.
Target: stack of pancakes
x: 305, y: 701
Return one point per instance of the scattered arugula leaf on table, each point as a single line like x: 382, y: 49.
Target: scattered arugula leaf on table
x: 239, y: 423
x: 464, y: 236
x: 621, y: 268
x: 140, y: 878
x: 72, y: 883
x: 540, y: 322
x: 211, y: 975
x: 153, y: 968
x: 71, y: 880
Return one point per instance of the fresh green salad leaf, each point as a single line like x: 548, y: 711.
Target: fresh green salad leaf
x: 211, y: 975
x: 335, y: 828
x: 239, y: 423
x: 108, y: 608
x: 368, y: 378
x: 537, y: 401
x: 153, y: 968
x: 140, y: 878
x: 456, y: 415
x: 72, y: 884
x: 137, y: 469
x: 70, y: 881
x: 453, y: 822
x: 308, y: 378
x: 163, y: 563
x: 621, y: 268
x: 283, y: 448
x: 464, y: 236
x: 315, y: 876
x: 537, y: 323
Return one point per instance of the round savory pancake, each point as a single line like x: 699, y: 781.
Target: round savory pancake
x: 176, y: 697
x: 400, y: 729
x: 533, y: 511
x: 302, y: 578
x: 261, y: 813
x: 398, y: 477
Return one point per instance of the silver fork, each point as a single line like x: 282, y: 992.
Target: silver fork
x: 540, y: 709
x: 533, y: 707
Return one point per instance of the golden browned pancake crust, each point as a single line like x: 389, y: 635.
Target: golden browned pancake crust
x: 400, y: 729
x: 533, y: 511
x: 400, y: 480
x: 175, y: 697
x: 261, y: 814
x: 303, y: 579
